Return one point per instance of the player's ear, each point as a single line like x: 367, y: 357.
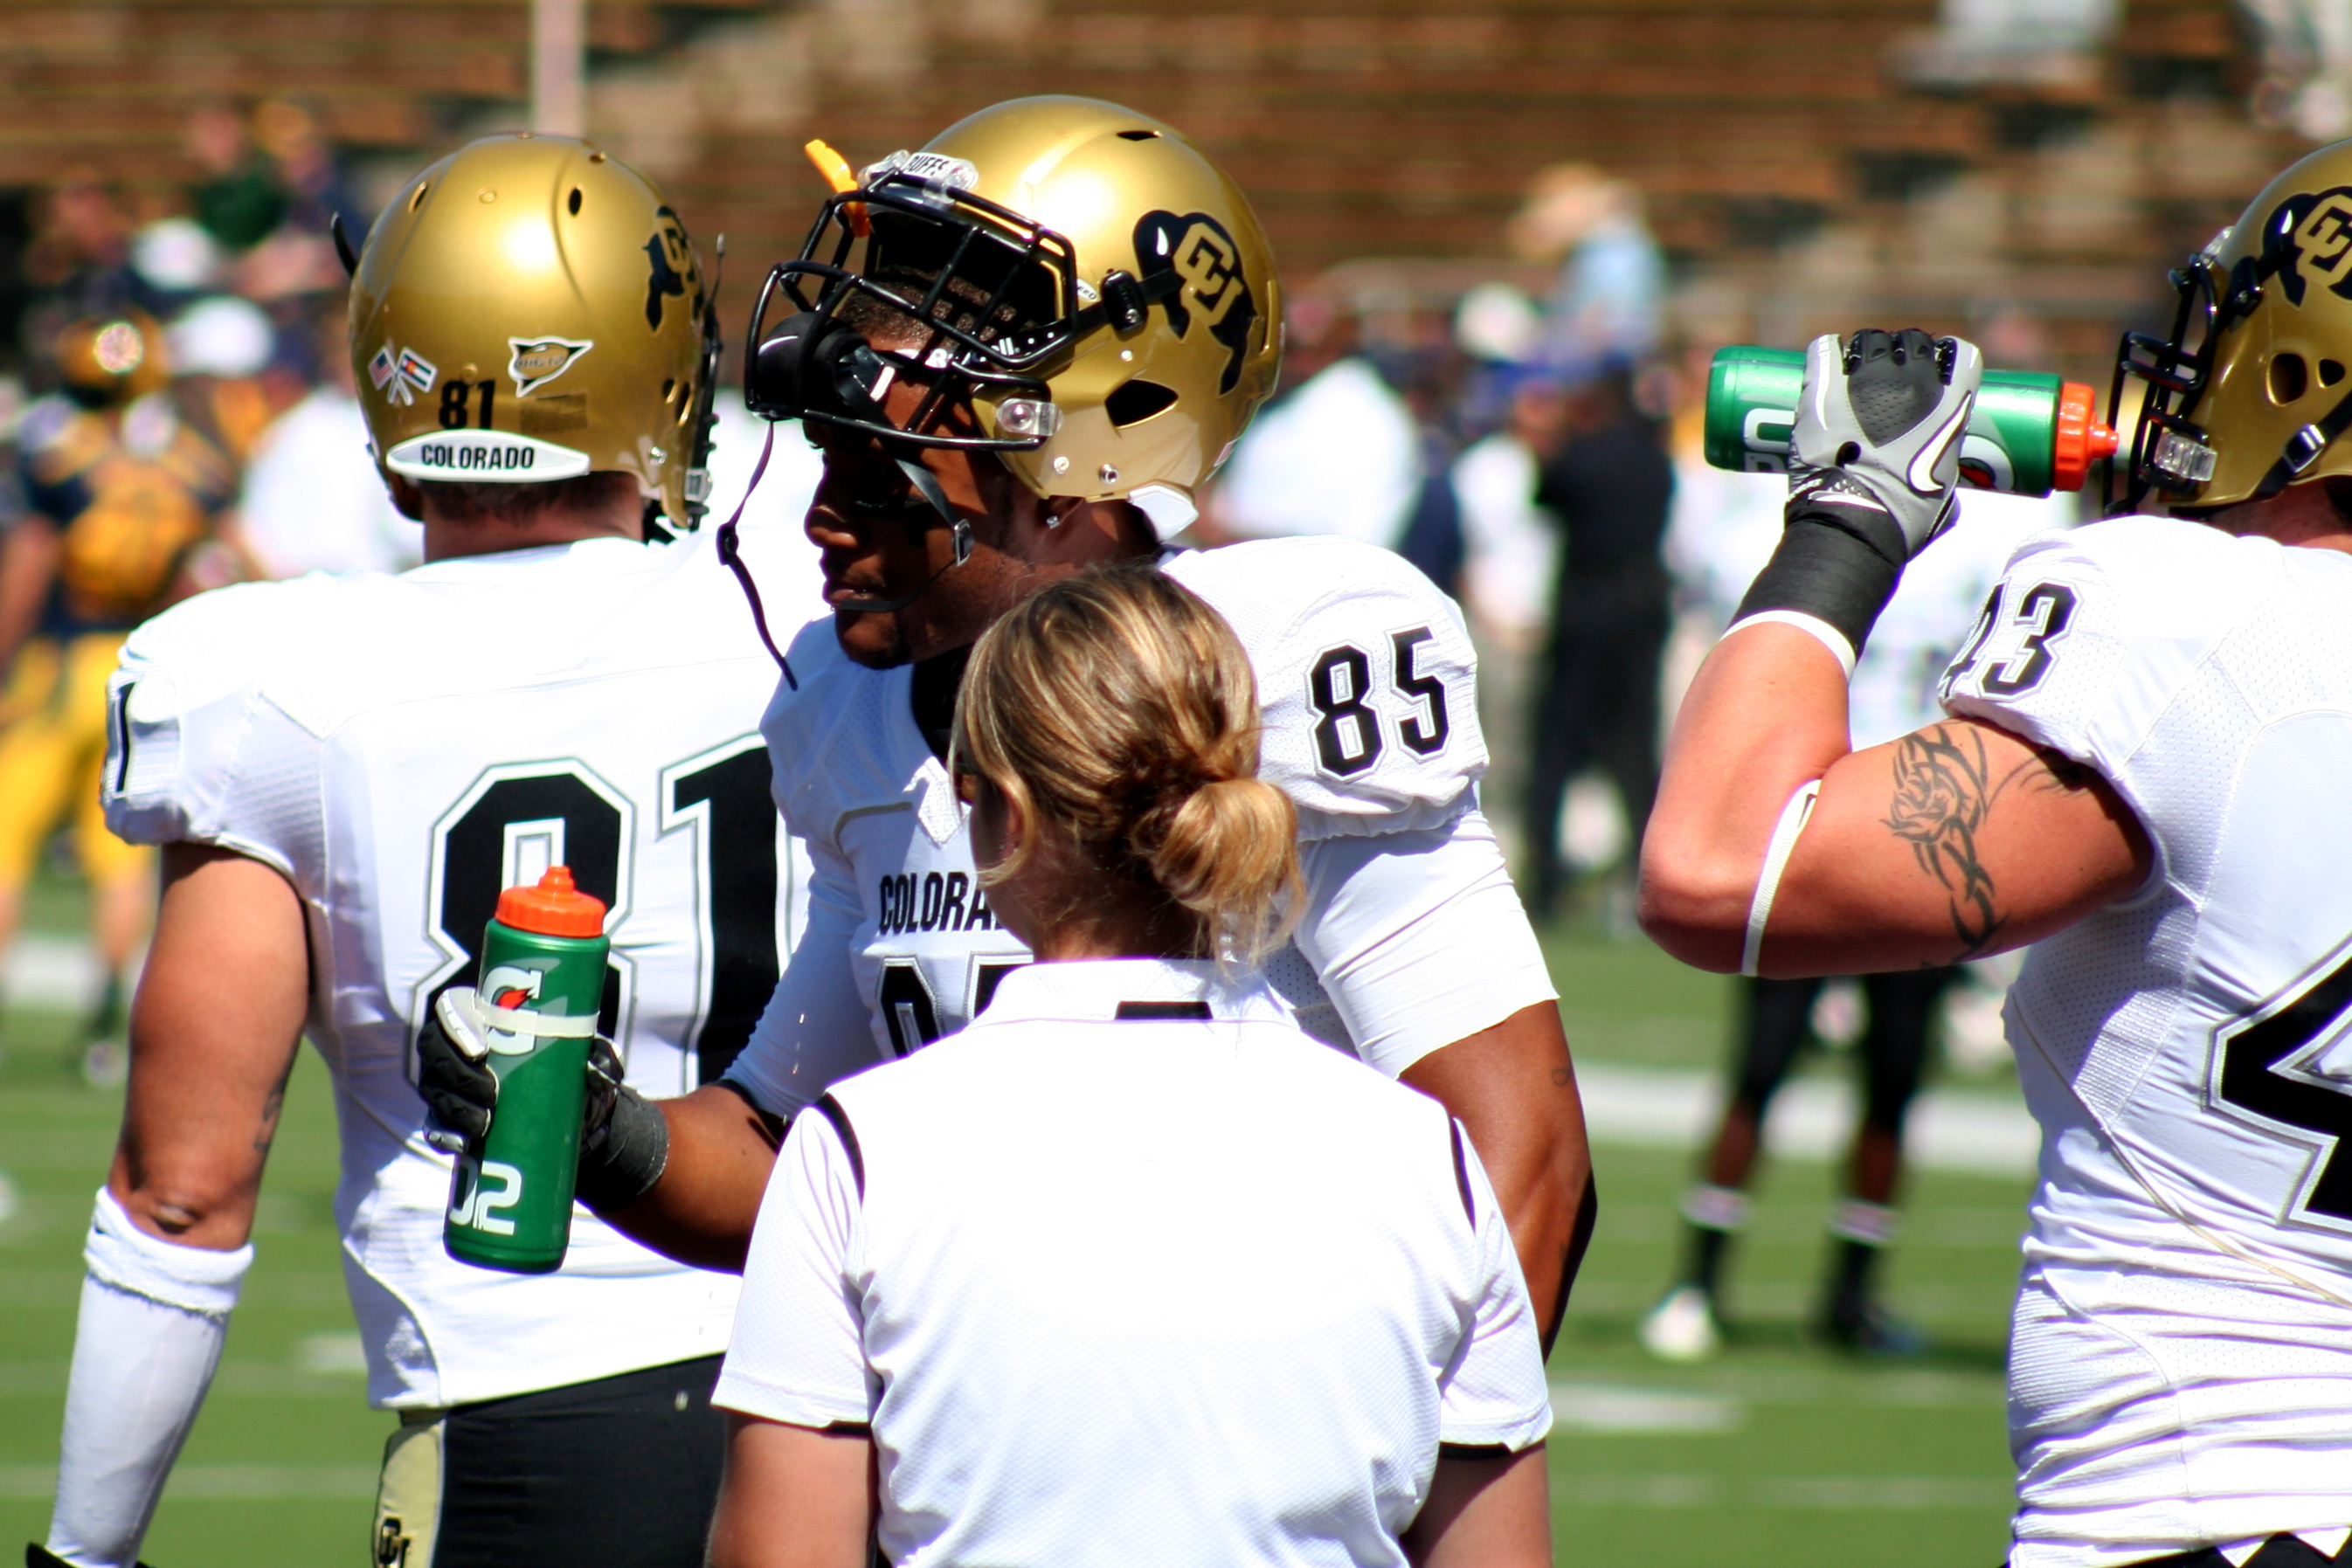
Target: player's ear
x: 407, y: 495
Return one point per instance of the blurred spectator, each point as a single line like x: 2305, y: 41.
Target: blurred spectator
x: 1338, y: 455
x: 1609, y: 485
x: 77, y: 265
x: 298, y: 256
x: 239, y: 202
x: 1724, y: 527
x: 313, y: 500
x: 122, y: 494
x: 1510, y: 560
x: 1605, y: 311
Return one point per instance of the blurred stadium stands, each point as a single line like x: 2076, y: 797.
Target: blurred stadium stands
x: 1807, y: 163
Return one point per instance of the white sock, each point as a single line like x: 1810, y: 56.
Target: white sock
x: 1713, y: 1208
x: 1871, y: 1224
x: 153, y: 1315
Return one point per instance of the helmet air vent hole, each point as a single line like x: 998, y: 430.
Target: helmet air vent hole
x: 2330, y: 372
x: 1138, y: 136
x: 1138, y: 401
x: 669, y: 388
x: 2289, y: 378
x: 574, y: 202
x: 416, y: 199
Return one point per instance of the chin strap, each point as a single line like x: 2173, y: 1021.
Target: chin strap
x: 731, y: 555
x: 731, y: 549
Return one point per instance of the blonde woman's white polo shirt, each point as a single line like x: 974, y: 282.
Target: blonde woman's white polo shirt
x: 1133, y: 1271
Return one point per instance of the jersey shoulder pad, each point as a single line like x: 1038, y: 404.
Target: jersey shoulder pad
x: 827, y: 732
x: 212, y: 691
x: 1366, y: 682
x: 2090, y: 633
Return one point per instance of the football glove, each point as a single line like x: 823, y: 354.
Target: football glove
x: 1874, y: 472
x: 623, y: 1140
x: 1878, y: 431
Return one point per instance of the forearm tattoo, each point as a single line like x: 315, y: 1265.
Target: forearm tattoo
x: 1944, y: 791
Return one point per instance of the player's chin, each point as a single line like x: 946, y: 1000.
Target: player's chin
x: 874, y: 639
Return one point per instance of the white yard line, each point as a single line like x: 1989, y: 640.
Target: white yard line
x: 1950, y: 1129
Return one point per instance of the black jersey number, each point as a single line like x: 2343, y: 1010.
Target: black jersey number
x: 723, y: 794
x: 911, y: 1012
x: 566, y: 817
x: 2255, y: 1073
x: 1348, y: 739
x: 523, y: 817
x: 2044, y: 612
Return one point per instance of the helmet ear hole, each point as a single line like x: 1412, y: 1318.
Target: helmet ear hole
x: 2290, y: 377
x: 2330, y: 372
x: 1138, y: 401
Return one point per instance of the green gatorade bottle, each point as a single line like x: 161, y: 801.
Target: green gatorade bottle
x: 2030, y: 433
x: 542, y: 982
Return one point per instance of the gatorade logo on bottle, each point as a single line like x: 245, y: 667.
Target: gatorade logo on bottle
x: 515, y: 988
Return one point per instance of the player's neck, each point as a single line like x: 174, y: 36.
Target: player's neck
x: 2304, y: 516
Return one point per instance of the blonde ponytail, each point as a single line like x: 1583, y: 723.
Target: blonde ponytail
x: 1119, y: 708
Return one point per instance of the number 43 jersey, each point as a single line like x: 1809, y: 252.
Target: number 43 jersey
x: 401, y: 748
x: 1411, y: 937
x: 2182, y: 1365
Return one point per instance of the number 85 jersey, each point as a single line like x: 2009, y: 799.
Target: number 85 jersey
x: 1411, y: 937
x: 402, y: 747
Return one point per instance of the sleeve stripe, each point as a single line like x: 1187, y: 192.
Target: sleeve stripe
x: 1475, y: 1451
x: 830, y: 1109
x: 1462, y: 1173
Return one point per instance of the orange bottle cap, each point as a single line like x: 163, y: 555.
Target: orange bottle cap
x: 2082, y: 440
x: 553, y: 908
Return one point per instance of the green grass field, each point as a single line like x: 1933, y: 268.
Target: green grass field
x: 1776, y: 1453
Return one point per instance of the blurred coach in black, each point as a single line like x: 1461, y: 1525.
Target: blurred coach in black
x: 1608, y: 483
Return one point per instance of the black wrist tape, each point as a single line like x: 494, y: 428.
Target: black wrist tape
x: 1836, y: 563
x: 630, y: 1157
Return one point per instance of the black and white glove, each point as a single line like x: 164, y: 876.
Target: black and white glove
x: 623, y: 1141
x: 1874, y: 476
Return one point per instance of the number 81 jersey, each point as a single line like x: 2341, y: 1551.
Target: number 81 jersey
x: 1367, y: 684
x: 400, y: 748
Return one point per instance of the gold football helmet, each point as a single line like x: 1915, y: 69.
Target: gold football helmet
x: 106, y: 361
x: 2249, y: 393
x: 530, y: 309
x: 1096, y: 291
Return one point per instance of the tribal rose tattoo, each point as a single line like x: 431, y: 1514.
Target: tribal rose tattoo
x: 1942, y: 793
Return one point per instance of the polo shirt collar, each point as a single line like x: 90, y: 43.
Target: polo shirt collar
x: 1095, y: 990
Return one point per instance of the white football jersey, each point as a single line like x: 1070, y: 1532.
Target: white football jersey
x: 1368, y: 687
x: 401, y: 748
x: 2181, y: 1368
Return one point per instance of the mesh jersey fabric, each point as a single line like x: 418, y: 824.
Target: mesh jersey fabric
x: 400, y: 747
x: 2180, y: 1375
x: 1180, y: 1290
x: 1412, y: 936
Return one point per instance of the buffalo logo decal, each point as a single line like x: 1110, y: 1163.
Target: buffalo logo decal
x: 1212, y: 291
x: 536, y: 361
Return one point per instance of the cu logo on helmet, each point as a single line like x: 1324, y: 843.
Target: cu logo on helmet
x: 2309, y: 238
x: 1197, y: 249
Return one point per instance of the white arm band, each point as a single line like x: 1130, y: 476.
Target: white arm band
x: 1793, y: 817
x: 154, y: 1316
x: 1828, y: 636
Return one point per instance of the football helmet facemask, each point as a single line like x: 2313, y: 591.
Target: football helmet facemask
x: 2249, y: 392
x: 530, y: 309
x: 1079, y: 278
